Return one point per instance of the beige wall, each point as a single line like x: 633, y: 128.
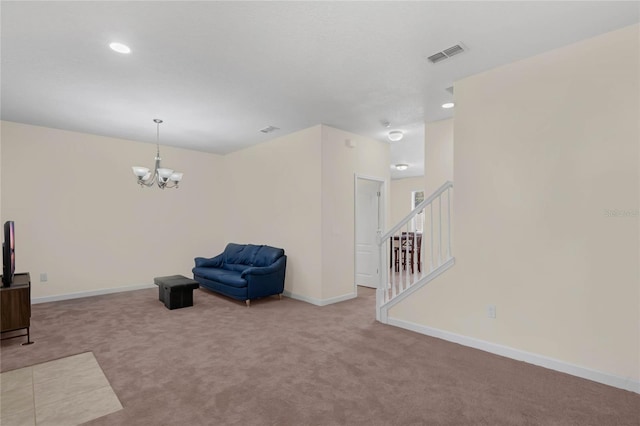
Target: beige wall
x: 81, y: 218
x: 400, y: 199
x: 340, y: 163
x: 274, y: 198
x: 302, y: 188
x: 438, y: 154
x: 543, y: 149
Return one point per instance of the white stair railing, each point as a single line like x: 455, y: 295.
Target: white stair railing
x: 412, y: 258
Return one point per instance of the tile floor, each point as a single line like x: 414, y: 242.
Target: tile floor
x: 67, y: 391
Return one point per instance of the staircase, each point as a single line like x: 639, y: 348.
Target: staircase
x: 412, y: 255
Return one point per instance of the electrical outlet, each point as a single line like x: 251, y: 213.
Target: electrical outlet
x: 491, y: 311
x: 43, y: 277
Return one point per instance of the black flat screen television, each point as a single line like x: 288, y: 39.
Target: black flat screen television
x: 8, y: 253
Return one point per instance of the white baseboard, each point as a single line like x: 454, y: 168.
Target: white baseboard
x: 319, y: 302
x: 517, y: 354
x: 81, y: 294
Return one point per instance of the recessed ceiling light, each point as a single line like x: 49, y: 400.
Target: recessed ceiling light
x: 120, y: 48
x: 448, y: 105
x: 395, y: 135
x: 402, y: 167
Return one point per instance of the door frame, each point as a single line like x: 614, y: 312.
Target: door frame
x: 382, y: 209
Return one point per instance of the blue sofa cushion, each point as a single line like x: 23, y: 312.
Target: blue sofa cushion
x: 266, y: 255
x: 236, y: 267
x: 239, y: 254
x: 237, y: 257
x: 223, y: 276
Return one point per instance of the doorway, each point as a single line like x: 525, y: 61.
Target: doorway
x: 369, y: 209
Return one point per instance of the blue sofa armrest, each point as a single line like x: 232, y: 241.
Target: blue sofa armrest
x: 214, y: 262
x: 265, y: 281
x: 264, y: 270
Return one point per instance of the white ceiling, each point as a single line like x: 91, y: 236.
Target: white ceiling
x: 218, y: 72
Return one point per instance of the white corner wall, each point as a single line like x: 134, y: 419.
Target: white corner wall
x: 82, y: 219
x: 400, y: 196
x: 546, y: 194
x: 274, y: 198
x: 340, y: 164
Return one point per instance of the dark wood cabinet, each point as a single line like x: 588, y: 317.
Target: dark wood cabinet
x: 15, y: 306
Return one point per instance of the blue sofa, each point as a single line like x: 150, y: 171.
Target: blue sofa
x: 243, y: 271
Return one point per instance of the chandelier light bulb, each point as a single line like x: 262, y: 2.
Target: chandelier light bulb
x: 165, y: 173
x: 140, y: 171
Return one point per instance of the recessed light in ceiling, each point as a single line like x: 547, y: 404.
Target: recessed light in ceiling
x: 402, y: 167
x: 119, y: 47
x: 448, y: 105
x: 395, y: 135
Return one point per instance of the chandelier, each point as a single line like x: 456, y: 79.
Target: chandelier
x: 165, y: 178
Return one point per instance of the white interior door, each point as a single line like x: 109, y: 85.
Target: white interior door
x: 367, y: 226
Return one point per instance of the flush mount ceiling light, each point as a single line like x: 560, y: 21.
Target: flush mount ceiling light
x: 165, y: 178
x: 448, y: 105
x: 269, y: 129
x: 119, y: 47
x: 395, y: 135
x: 402, y: 167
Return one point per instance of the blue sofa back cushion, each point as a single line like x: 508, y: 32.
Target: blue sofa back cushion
x: 238, y: 256
x: 267, y: 255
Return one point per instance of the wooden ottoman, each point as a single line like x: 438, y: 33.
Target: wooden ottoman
x: 176, y: 291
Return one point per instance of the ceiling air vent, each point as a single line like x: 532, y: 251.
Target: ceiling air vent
x: 269, y: 129
x: 446, y: 53
x: 453, y: 50
x: 437, y: 57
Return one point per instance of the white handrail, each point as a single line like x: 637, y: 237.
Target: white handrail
x: 417, y: 210
x: 407, y: 248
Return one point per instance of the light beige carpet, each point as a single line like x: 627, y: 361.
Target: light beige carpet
x: 290, y: 363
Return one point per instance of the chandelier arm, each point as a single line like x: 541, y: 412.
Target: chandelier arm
x: 148, y: 183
